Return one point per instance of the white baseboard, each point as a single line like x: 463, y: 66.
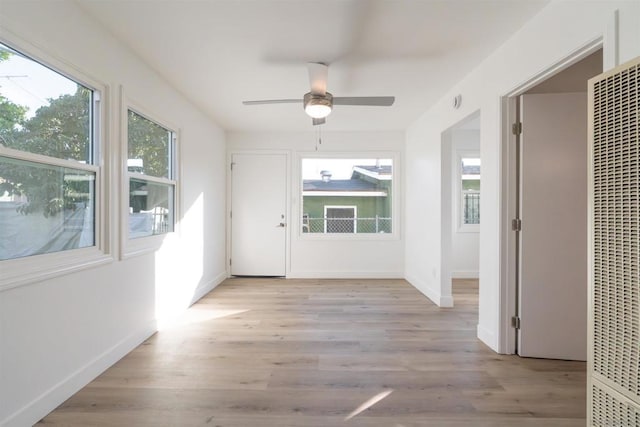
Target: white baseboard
x: 50, y: 399
x: 345, y: 275
x: 208, y: 286
x: 465, y: 275
x: 434, y: 295
x: 487, y: 337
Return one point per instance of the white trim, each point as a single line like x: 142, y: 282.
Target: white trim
x: 42, y: 405
x: 150, y: 178
x: 487, y: 337
x: 23, y: 271
x: 132, y: 247
x: 465, y: 274
x: 206, y: 287
x: 434, y: 294
x: 46, y: 160
x: 507, y: 289
x: 35, y: 268
x: 345, y: 193
x: 345, y: 275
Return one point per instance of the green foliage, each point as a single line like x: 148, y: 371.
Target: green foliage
x: 11, y: 117
x: 59, y: 130
x: 149, y: 142
x: 62, y: 130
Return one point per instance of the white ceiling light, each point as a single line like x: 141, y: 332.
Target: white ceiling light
x: 318, y: 106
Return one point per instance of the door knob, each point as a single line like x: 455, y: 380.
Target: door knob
x: 282, y: 224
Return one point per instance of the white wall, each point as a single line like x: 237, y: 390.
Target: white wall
x: 57, y: 334
x: 559, y: 30
x: 337, y: 256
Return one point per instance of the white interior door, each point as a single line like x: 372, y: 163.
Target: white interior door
x: 258, y: 214
x: 553, y: 243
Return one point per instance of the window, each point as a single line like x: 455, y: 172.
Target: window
x: 469, y: 191
x: 49, y: 170
x: 347, y: 196
x: 151, y: 175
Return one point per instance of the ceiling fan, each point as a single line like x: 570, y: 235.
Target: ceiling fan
x: 318, y: 103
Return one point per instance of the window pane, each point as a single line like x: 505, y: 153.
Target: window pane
x: 42, y: 111
x: 471, y: 190
x: 44, y: 208
x: 347, y: 195
x: 150, y: 208
x: 149, y: 147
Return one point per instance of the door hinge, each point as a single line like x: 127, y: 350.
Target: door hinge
x: 516, y: 128
x: 230, y: 214
x: 515, y: 322
x: 516, y: 224
x: 229, y: 261
x: 232, y: 163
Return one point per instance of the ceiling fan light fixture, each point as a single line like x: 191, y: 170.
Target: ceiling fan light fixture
x: 318, y: 106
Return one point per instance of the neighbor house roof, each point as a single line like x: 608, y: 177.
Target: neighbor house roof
x: 381, y: 173
x: 471, y: 170
x: 341, y: 187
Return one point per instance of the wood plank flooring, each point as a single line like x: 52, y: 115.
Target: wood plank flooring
x: 276, y: 352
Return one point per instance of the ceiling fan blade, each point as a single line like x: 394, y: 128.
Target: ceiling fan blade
x: 373, y: 101
x: 318, y: 121
x: 318, y: 75
x: 273, y: 101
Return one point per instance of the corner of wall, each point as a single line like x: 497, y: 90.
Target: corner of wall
x: 208, y: 286
x: 488, y: 337
x: 43, y: 404
x: 444, y: 301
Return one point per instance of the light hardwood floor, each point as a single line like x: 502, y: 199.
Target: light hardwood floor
x: 275, y: 352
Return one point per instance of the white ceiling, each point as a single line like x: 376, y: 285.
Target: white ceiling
x: 219, y: 53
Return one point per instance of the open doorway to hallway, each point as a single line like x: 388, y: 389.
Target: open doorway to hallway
x: 461, y: 198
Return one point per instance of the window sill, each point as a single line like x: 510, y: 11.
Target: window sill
x: 144, y: 245
x: 468, y: 228
x: 348, y: 236
x: 24, y: 271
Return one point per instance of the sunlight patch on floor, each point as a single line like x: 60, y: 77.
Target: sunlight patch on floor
x: 368, y: 404
x: 198, y: 315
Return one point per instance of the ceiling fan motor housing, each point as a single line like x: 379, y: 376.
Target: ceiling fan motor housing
x: 317, y: 105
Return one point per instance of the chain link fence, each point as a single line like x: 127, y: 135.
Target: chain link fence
x: 346, y: 225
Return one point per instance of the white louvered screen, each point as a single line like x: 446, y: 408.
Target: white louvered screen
x: 610, y: 411
x: 614, y: 356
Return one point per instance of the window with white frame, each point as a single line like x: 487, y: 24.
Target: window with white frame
x: 469, y: 167
x: 151, y: 176
x: 347, y: 195
x: 49, y: 170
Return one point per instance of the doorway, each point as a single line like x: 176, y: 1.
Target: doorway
x: 461, y: 200
x: 549, y: 214
x: 258, y: 214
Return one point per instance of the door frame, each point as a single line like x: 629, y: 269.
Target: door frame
x: 509, y: 183
x: 288, y: 219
